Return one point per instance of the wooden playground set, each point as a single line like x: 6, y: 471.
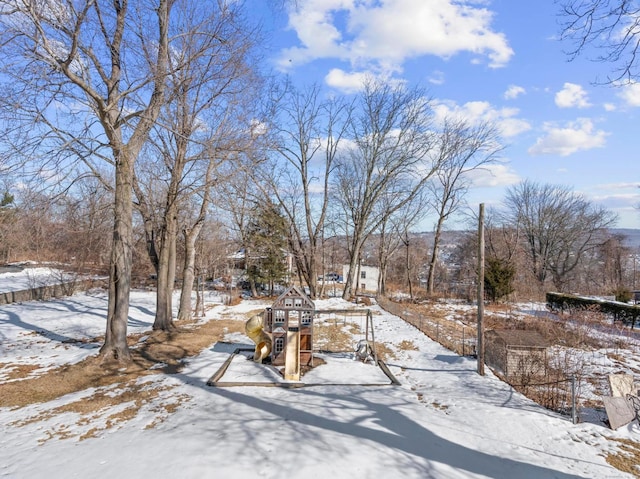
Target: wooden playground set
x: 283, y: 337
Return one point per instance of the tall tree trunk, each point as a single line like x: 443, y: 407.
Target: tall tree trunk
x: 383, y: 258
x: 407, y: 258
x: 171, y: 281
x: 166, y: 274
x: 353, y: 270
x: 188, y: 272
x: 382, y: 279
x: 312, y: 280
x: 434, y: 256
x: 162, y: 284
x: 115, y: 343
x: 115, y: 346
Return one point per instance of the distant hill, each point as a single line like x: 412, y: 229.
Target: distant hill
x: 632, y: 236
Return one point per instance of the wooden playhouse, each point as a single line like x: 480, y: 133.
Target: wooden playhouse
x: 290, y: 323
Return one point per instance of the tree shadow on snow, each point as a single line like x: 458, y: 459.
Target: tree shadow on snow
x: 398, y: 432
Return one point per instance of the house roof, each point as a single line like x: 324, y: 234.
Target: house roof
x: 296, y: 292
x: 520, y: 337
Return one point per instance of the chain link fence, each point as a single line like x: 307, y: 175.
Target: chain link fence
x: 453, y: 335
x: 555, y: 391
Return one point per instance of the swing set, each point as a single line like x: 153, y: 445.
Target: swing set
x: 289, y: 324
x: 365, y: 348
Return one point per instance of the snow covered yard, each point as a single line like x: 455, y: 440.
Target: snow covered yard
x: 443, y: 421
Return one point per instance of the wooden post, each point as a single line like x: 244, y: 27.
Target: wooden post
x: 574, y: 410
x: 480, y: 341
x: 202, y: 292
x: 373, y: 337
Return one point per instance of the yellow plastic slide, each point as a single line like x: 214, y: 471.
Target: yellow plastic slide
x: 254, y: 330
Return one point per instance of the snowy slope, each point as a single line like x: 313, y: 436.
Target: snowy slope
x: 443, y: 421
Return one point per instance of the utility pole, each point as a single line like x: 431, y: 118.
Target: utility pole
x: 480, y: 341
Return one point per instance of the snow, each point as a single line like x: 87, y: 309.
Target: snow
x: 19, y: 278
x: 443, y: 421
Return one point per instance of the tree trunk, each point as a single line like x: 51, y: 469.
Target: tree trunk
x: 162, y: 285
x: 313, y: 270
x: 115, y: 343
x: 188, y: 272
x: 408, y: 265
x: 166, y: 274
x: 351, y: 277
x: 382, y: 279
x: 434, y: 256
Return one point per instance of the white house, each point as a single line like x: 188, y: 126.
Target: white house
x: 366, y: 280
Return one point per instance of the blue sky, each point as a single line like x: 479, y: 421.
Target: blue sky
x: 498, y: 60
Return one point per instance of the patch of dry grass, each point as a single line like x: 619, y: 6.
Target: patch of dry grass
x: 627, y: 459
x: 335, y: 336
x: 107, y: 408
x: 168, y: 349
x: 120, y: 392
x: 406, y: 345
x: 384, y: 352
x: 16, y: 371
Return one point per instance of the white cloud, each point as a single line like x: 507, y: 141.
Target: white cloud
x: 609, y: 107
x: 621, y: 199
x: 353, y: 82
x: 381, y: 36
x: 346, y: 82
x: 634, y: 187
x: 474, y: 111
x: 437, y: 78
x: 489, y: 176
x: 575, y: 136
x: 511, y: 127
x: 572, y: 96
x: 513, y: 92
x: 630, y: 93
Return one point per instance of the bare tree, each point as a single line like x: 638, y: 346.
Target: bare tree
x: 612, y: 258
x: 461, y: 148
x: 33, y: 225
x: 308, y: 133
x: 389, y: 161
x: 198, y: 130
x: 559, y: 228
x: 393, y: 232
x: 91, y: 78
x: 238, y: 199
x: 88, y: 219
x: 612, y: 27
x: 193, y: 225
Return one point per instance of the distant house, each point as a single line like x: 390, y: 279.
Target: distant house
x: 238, y: 261
x: 516, y: 353
x: 366, y: 279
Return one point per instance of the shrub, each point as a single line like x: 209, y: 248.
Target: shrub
x: 498, y: 278
x: 623, y: 295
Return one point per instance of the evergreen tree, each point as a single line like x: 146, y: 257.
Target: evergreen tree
x: 7, y: 199
x: 267, y: 244
x: 498, y: 278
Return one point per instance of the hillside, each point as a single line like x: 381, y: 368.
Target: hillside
x: 443, y: 421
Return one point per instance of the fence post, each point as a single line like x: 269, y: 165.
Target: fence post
x: 574, y: 412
